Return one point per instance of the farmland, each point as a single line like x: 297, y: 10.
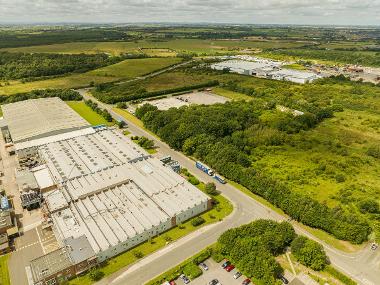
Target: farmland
x: 124, y: 70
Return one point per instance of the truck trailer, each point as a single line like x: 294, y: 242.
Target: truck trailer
x: 204, y: 168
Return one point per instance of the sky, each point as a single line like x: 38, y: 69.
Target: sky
x: 310, y: 12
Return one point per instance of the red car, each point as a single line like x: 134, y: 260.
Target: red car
x: 229, y: 268
x: 246, y: 282
x: 172, y: 282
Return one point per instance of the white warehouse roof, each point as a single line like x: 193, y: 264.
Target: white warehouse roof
x: 36, y: 118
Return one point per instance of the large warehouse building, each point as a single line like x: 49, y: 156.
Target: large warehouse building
x: 265, y: 69
x: 109, y: 191
x: 36, y: 118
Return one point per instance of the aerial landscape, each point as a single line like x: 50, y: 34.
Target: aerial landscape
x: 189, y: 142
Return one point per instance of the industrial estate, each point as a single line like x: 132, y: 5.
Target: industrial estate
x: 172, y: 154
x: 102, y: 193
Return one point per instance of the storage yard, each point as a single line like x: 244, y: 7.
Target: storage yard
x: 99, y: 189
x: 264, y: 68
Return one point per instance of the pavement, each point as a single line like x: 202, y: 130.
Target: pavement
x: 363, y: 266
x: 215, y: 271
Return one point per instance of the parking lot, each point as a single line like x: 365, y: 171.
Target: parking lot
x: 215, y: 271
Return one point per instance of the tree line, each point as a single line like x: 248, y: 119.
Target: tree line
x: 64, y: 94
x: 105, y: 92
x: 225, y: 137
x: 31, y: 66
x: 103, y: 112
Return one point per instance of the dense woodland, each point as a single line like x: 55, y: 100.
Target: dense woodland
x: 24, y: 66
x: 226, y: 136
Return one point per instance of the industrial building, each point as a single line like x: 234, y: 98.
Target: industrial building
x: 265, y: 69
x: 98, y: 186
x: 36, y: 118
x: 73, y: 258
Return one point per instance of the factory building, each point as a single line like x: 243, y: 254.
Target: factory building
x: 98, y: 187
x: 36, y: 118
x: 265, y: 69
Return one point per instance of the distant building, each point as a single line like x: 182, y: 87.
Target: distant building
x: 264, y: 68
x: 296, y: 76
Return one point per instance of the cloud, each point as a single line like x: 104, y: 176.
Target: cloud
x: 222, y: 11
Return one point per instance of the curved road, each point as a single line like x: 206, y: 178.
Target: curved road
x: 363, y: 266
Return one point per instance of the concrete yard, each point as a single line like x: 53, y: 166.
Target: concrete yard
x: 198, y: 97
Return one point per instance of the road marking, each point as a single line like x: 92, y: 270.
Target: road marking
x: 39, y: 238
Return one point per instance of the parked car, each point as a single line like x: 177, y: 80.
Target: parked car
x: 237, y: 275
x: 214, y: 282
x: 203, y: 266
x: 184, y: 279
x: 229, y: 268
x: 226, y: 263
x: 374, y: 246
x: 172, y: 282
x: 246, y: 282
x: 283, y: 279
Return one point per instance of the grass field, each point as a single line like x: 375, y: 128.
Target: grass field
x: 123, y: 260
x: 123, y: 70
x: 231, y: 94
x: 88, y: 114
x: 4, y: 274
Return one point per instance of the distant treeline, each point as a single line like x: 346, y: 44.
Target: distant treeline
x: 105, y: 93
x: 25, y: 65
x: 366, y: 58
x: 225, y: 135
x: 64, y: 94
x: 19, y: 39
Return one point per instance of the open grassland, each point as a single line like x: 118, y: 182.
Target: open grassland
x: 220, y: 211
x: 87, y: 113
x: 329, y: 162
x: 126, y: 69
x: 178, y: 45
x: 4, y: 274
x: 231, y: 94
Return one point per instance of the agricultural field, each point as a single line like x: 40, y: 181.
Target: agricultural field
x: 126, y: 69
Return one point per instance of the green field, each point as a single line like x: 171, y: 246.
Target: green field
x: 4, y: 274
x: 88, y: 114
x: 126, y: 69
x: 123, y: 260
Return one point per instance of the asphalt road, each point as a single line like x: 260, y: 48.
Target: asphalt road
x: 363, y: 266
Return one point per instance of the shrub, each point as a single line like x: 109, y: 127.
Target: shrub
x: 369, y: 206
x: 210, y: 188
x: 192, y: 270
x: 96, y: 275
x: 197, y: 221
x: 137, y: 254
x: 193, y: 180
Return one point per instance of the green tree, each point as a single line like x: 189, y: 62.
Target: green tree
x: 210, y: 188
x: 309, y: 253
